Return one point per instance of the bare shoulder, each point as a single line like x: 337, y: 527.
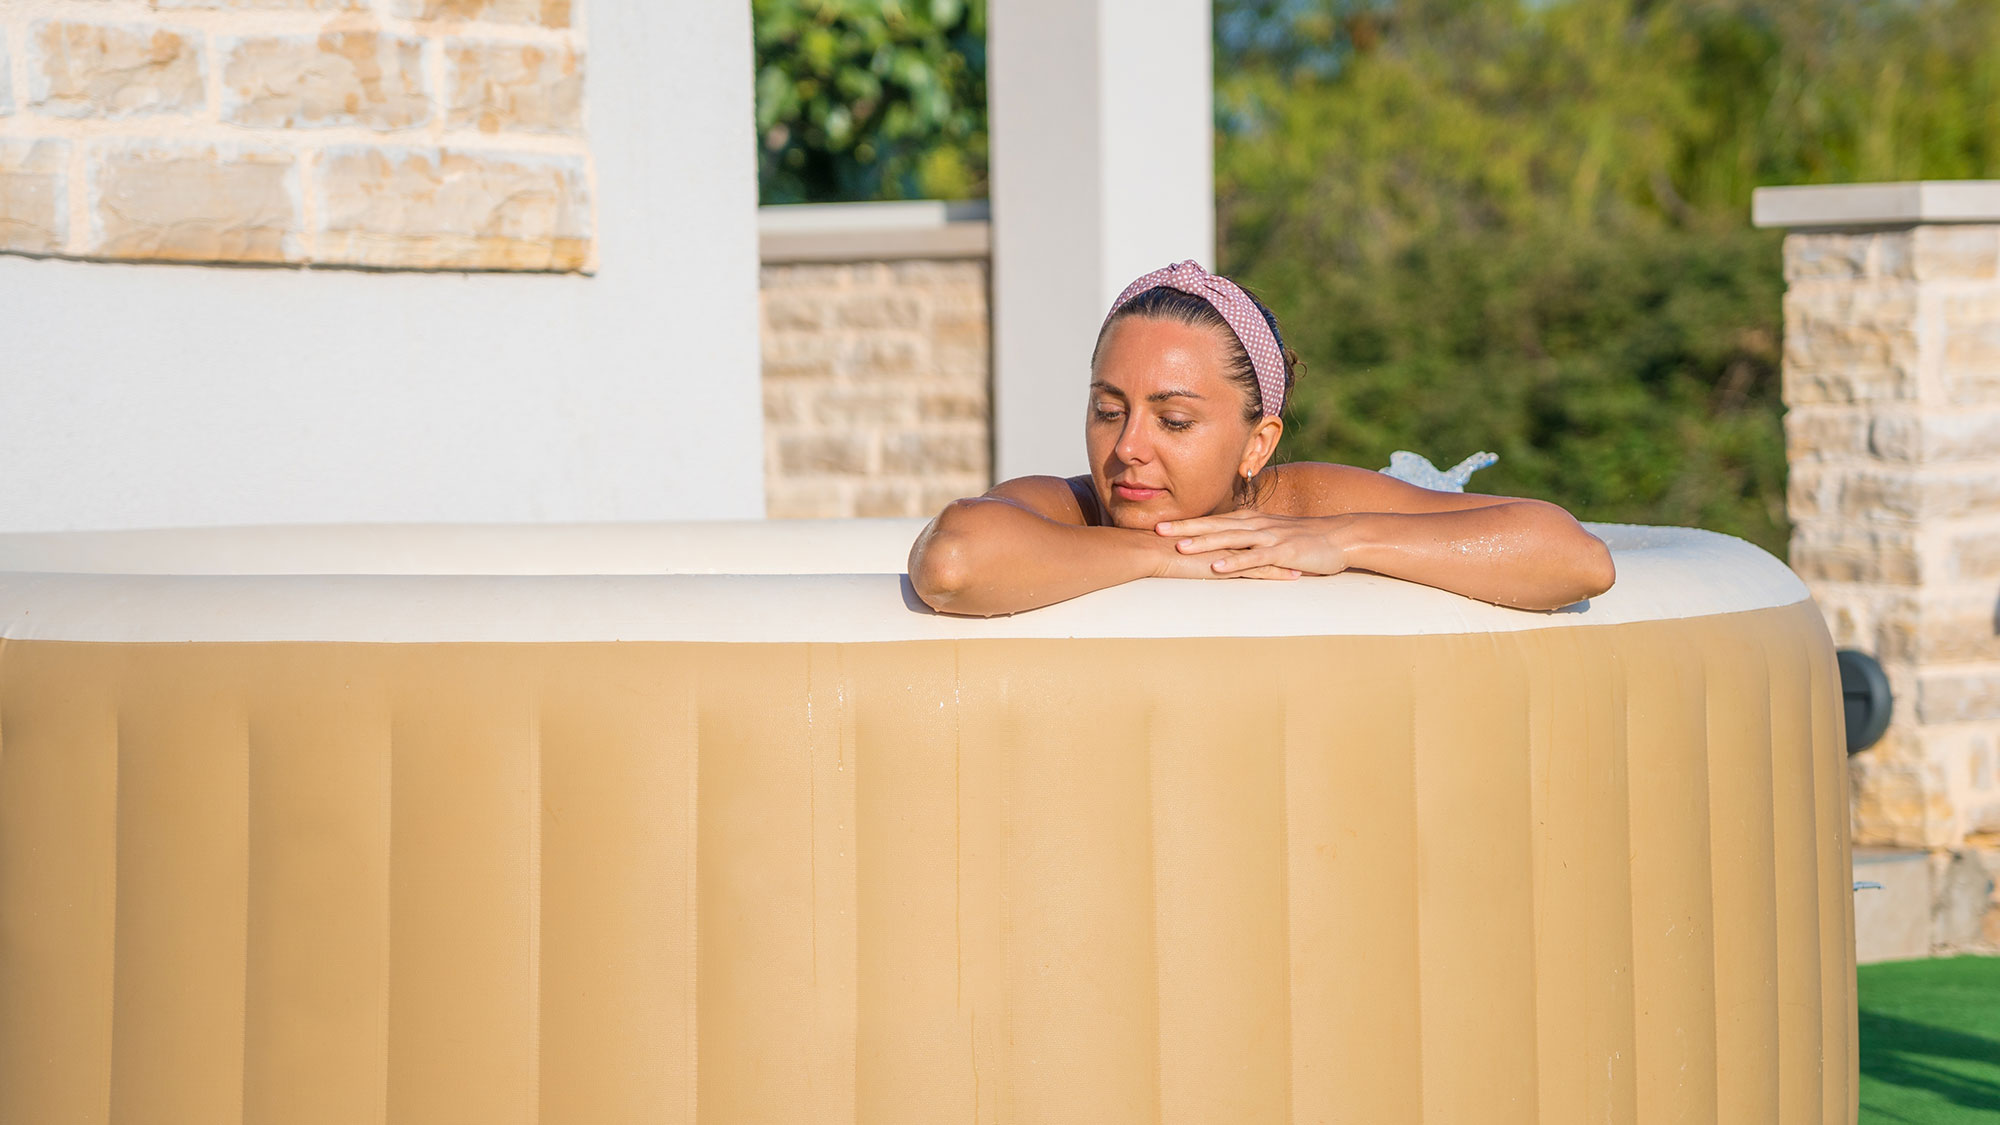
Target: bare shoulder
x: 1319, y: 488
x: 1055, y: 498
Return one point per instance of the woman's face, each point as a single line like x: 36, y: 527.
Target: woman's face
x: 1165, y: 431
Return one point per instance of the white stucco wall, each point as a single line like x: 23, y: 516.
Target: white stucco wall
x: 156, y: 395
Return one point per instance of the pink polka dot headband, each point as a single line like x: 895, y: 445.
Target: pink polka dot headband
x: 1267, y: 359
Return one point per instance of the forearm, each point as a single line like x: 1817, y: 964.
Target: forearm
x: 1524, y: 554
x: 988, y: 556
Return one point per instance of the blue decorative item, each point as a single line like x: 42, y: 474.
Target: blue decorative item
x: 1418, y: 470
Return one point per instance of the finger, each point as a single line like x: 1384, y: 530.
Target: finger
x: 1236, y: 562
x: 1276, y: 573
x: 1225, y: 541
x: 1202, y: 524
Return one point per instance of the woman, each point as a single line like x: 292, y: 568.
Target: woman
x: 1188, y: 380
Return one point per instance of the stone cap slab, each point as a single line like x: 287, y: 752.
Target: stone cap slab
x: 849, y: 232
x: 1876, y: 205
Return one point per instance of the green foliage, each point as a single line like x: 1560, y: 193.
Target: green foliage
x: 870, y: 99
x: 1524, y: 226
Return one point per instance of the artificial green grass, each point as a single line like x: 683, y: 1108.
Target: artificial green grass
x: 1930, y: 1041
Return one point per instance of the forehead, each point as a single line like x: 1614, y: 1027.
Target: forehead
x: 1140, y: 354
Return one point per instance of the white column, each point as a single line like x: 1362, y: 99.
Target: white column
x: 1103, y: 168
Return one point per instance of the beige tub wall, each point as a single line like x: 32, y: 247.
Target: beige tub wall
x: 1586, y: 873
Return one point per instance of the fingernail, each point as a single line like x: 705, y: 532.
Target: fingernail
x: 1185, y: 544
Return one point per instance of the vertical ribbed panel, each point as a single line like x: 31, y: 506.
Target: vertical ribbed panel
x: 1079, y: 1024
x: 59, y: 718
x: 758, y: 1011
x: 463, y: 878
x: 1475, y: 906
x: 617, y: 909
x: 1222, y: 937
x: 1796, y: 855
x: 177, y: 1011
x: 1350, y: 789
x: 1571, y: 874
x: 316, y: 979
x: 1737, y: 683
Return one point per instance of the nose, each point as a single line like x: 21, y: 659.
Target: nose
x: 1133, y: 448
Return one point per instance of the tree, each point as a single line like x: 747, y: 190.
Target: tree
x: 1523, y: 226
x: 870, y: 99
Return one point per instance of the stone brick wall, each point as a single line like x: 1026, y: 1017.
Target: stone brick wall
x: 876, y: 386
x: 419, y: 134
x: 1892, y: 377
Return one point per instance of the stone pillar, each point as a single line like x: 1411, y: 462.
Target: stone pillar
x: 1892, y: 384
x: 1103, y: 168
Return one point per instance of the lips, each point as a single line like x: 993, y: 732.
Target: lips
x: 1136, y: 493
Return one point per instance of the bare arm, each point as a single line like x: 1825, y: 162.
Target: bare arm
x: 1025, y: 545
x: 1529, y: 554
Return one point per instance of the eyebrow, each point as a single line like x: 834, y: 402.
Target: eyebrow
x: 1156, y: 396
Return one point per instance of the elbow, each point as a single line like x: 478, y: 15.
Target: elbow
x: 1593, y: 573
x: 1601, y: 570
x: 1585, y: 565
x: 940, y: 566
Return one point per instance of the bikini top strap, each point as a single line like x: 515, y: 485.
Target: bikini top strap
x: 1086, y: 500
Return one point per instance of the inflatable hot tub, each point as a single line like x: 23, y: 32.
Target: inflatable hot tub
x: 713, y: 823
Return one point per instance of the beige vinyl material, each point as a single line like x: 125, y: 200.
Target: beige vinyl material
x: 1575, y: 870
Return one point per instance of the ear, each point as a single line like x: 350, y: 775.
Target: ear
x: 1262, y: 444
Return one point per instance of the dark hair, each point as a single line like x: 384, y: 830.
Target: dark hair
x: 1164, y: 303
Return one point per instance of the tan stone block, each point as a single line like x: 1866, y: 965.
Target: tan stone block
x: 1954, y: 694
x: 426, y: 208
x: 879, y: 309
x: 1975, y: 555
x: 1893, y: 494
x: 1827, y: 256
x: 1971, y: 353
x: 1848, y: 343
x: 1961, y: 435
x: 1941, y: 625
x: 1821, y: 432
x: 1851, y: 614
x: 114, y: 70
x: 823, y: 454
x: 1895, y: 802
x: 970, y: 405
x: 34, y: 196
x: 1894, y: 436
x: 788, y: 499
x: 799, y: 355
x: 1839, y: 552
x: 781, y: 404
x: 1954, y: 252
x: 336, y: 78
x: 267, y: 5
x: 935, y: 452
x: 873, y: 406
x: 542, y: 13
x: 194, y: 203
x: 1810, y: 491
x: 513, y: 87
x: 878, y: 355
x: 887, y: 500
x: 790, y: 309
